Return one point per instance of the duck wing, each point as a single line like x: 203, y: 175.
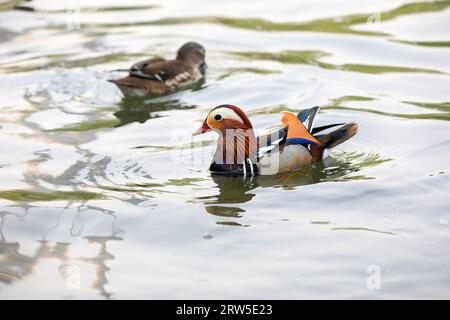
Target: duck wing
x: 297, y: 145
x: 166, y: 71
x: 282, y: 154
x: 270, y: 141
x: 138, y: 69
x: 308, y: 116
x: 277, y: 139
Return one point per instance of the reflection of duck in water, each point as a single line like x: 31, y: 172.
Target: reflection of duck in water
x: 233, y: 191
x: 240, y: 153
x: 135, y: 109
x: 157, y: 76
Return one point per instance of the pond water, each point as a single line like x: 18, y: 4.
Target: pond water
x: 105, y: 197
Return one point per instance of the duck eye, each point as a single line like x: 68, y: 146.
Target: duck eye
x: 218, y: 117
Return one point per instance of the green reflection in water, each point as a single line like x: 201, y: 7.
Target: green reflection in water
x: 276, y: 109
x: 183, y: 182
x: 137, y: 109
x: 131, y: 109
x: 312, y: 57
x: 338, y: 104
x: 425, y: 43
x: 444, y: 106
x: 432, y: 116
x: 8, y: 5
x: 362, y: 229
x: 96, y: 9
x: 63, y: 61
x: 148, y: 189
x: 88, y: 126
x: 225, y: 211
x: 24, y: 195
x: 231, y: 224
x: 231, y: 71
x: 331, y: 25
x: 354, y: 98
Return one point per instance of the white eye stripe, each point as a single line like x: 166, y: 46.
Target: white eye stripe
x: 226, y: 113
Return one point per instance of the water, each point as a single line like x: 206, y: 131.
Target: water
x: 100, y: 196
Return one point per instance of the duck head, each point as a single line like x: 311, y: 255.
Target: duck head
x: 224, y: 117
x: 192, y: 53
x: 237, y: 141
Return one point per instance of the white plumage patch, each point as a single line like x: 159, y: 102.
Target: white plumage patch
x: 226, y: 114
x: 262, y: 151
x: 179, y: 79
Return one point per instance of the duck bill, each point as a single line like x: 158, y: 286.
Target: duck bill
x: 204, y: 128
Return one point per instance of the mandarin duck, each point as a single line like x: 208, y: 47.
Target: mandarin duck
x: 239, y: 152
x: 157, y: 76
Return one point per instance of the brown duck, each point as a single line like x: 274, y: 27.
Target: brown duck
x: 157, y: 76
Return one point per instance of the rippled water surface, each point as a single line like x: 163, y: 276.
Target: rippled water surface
x: 114, y: 193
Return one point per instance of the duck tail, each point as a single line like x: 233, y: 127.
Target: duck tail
x: 333, y: 138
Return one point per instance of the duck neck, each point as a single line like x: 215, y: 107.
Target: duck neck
x: 236, y: 147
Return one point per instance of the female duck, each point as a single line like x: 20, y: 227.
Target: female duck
x: 157, y: 76
x: 240, y: 152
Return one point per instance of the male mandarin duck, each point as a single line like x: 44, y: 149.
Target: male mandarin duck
x: 240, y: 152
x: 157, y: 76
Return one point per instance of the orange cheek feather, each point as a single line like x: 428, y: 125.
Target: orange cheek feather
x: 222, y: 125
